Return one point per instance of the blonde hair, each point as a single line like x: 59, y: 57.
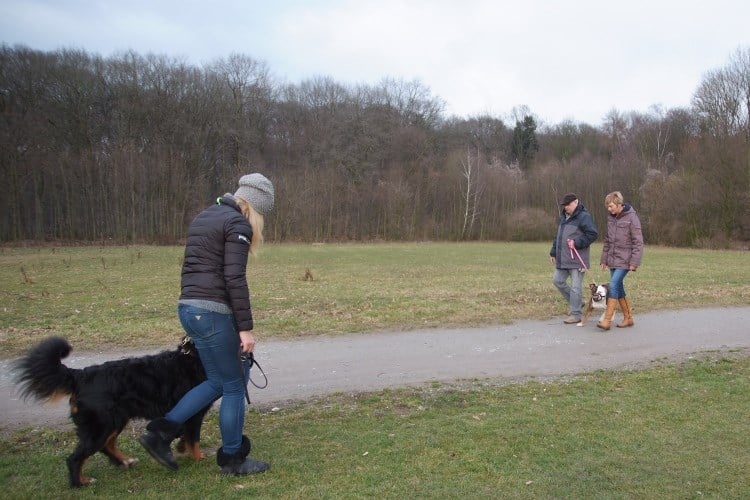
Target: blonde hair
x: 256, y: 222
x: 614, y: 197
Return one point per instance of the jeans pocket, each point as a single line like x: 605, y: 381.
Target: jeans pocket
x: 195, y: 321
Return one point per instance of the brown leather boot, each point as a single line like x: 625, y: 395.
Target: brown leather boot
x: 627, y: 314
x: 608, y: 314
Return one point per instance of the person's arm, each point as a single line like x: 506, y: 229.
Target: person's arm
x: 589, y: 232
x: 636, y: 240
x: 236, y: 251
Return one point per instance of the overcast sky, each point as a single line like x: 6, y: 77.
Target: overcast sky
x: 574, y: 59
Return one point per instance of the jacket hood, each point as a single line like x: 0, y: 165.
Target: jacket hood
x: 229, y: 200
x: 626, y: 208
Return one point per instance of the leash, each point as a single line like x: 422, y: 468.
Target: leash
x: 250, y: 358
x: 574, y: 253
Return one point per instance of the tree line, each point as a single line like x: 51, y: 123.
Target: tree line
x: 130, y: 147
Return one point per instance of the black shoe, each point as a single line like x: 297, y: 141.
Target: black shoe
x: 157, y: 441
x: 237, y: 464
x: 242, y: 468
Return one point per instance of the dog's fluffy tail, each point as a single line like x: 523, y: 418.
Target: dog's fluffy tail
x: 41, y: 375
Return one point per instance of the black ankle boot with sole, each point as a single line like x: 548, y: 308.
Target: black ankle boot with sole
x: 157, y: 441
x: 237, y: 464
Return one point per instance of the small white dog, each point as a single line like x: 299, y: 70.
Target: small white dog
x: 597, y: 301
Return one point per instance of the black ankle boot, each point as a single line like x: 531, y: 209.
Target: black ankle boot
x: 157, y: 441
x: 237, y: 464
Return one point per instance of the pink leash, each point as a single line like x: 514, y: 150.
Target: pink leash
x: 574, y: 250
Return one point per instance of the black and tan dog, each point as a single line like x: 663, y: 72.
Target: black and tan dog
x: 103, y: 398
x: 598, y: 300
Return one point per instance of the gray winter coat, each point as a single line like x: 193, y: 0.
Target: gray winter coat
x: 623, y: 243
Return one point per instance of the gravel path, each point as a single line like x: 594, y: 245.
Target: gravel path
x: 304, y: 368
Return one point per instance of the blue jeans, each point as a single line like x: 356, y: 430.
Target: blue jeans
x: 572, y: 293
x: 616, y: 285
x: 218, y: 343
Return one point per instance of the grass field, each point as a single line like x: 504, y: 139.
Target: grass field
x: 667, y: 432
x: 674, y: 430
x: 116, y: 297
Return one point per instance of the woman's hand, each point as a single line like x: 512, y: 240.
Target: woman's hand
x: 247, y: 341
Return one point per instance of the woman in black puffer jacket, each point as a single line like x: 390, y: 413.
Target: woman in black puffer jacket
x: 214, y: 309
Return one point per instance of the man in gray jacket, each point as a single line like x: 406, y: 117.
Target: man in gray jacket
x: 576, y: 232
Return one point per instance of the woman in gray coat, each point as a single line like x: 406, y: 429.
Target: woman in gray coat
x: 621, y: 253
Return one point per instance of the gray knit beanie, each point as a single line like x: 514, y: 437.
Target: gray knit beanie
x: 258, y: 191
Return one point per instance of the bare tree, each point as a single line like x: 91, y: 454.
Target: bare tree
x: 723, y: 97
x: 472, y: 192
x: 131, y: 147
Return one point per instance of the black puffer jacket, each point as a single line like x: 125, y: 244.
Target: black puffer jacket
x: 218, y: 243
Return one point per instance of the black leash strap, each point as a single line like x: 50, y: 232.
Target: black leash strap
x: 250, y: 358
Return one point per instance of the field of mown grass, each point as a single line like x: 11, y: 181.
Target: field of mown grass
x: 125, y: 297
x: 672, y: 430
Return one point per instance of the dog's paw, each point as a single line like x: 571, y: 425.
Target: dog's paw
x: 129, y: 462
x: 579, y: 324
